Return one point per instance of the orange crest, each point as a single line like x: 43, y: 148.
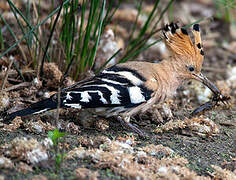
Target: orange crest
x: 180, y: 44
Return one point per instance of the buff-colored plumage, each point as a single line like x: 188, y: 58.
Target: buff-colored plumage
x: 165, y: 77
x: 133, y: 87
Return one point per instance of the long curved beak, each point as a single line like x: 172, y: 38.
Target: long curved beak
x: 200, y: 77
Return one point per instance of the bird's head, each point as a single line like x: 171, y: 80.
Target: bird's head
x: 187, y: 55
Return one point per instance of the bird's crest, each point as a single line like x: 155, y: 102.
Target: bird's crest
x: 180, y: 44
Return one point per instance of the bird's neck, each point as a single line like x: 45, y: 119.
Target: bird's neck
x: 169, y: 77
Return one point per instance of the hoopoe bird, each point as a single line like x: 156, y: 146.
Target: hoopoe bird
x: 133, y: 87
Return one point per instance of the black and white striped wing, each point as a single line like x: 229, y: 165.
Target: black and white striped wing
x: 117, y: 88
x: 113, y: 87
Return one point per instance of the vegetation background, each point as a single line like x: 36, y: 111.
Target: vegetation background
x: 47, y: 45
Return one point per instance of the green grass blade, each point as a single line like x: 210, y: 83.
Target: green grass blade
x: 19, y: 23
x: 92, y: 58
x: 79, y: 42
x: 104, y: 65
x: 32, y: 30
x: 146, y: 25
x: 140, y: 42
x: 12, y: 7
x: 162, y: 14
x: 8, y: 27
x: 1, y: 40
x: 23, y: 17
x: 135, y: 22
x: 14, y: 36
x: 140, y: 50
x: 109, y: 13
x: 87, y: 37
x: 97, y: 20
x: 29, y: 39
x: 195, y: 22
x: 49, y: 39
x: 109, y: 8
x: 15, y: 9
x: 69, y: 29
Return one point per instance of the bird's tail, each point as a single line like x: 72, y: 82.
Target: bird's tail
x: 35, y: 108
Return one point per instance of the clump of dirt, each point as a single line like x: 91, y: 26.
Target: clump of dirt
x: 29, y: 150
x: 177, y: 145
x: 52, y: 75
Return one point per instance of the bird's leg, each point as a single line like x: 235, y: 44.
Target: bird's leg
x: 125, y: 117
x: 142, y: 107
x: 126, y: 124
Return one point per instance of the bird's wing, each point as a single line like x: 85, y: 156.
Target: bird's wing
x: 115, y: 86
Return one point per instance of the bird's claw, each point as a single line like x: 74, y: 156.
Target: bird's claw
x: 128, y: 125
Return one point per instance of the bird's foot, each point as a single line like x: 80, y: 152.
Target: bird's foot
x: 126, y: 124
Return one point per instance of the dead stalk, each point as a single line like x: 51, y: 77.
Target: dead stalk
x: 14, y: 73
x: 7, y: 72
x: 18, y: 86
x: 58, y: 107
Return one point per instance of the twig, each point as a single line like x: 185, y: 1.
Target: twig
x: 18, y: 71
x: 58, y: 107
x: 8, y: 70
x: 63, y: 151
x: 14, y: 72
x: 21, y: 85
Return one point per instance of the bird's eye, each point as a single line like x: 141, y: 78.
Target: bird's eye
x: 191, y: 68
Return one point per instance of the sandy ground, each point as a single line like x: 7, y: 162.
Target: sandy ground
x: 176, y: 146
